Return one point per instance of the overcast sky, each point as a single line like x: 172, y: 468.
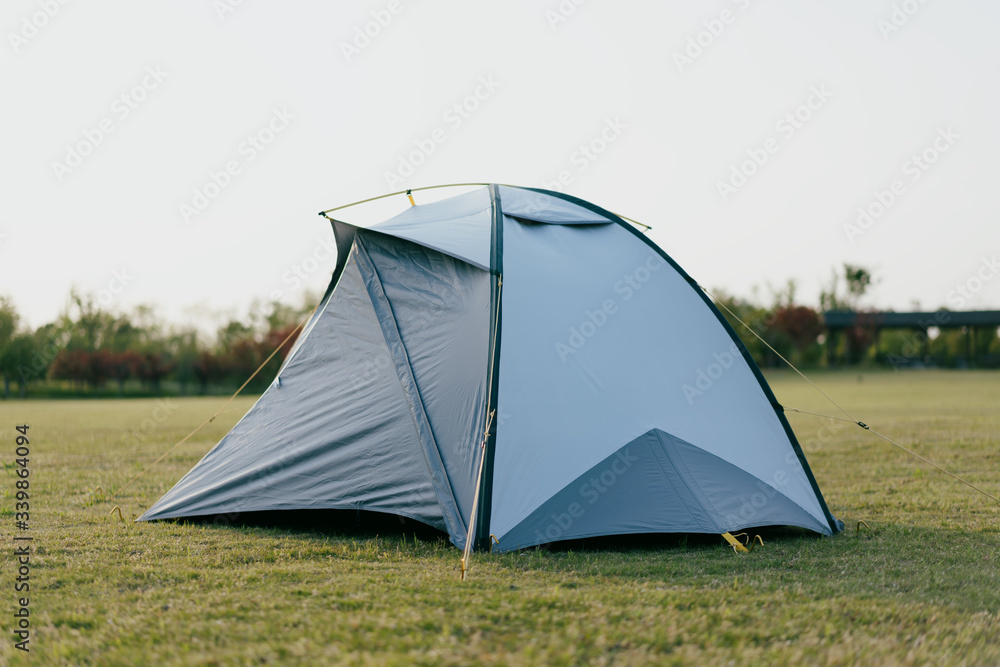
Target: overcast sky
x: 177, y: 153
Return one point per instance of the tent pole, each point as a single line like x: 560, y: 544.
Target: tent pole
x: 469, y: 537
x: 484, y: 487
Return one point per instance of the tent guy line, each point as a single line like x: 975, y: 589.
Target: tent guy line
x: 218, y: 412
x: 378, y: 295
x: 850, y: 417
x: 719, y: 302
x: 597, y: 443
x: 896, y: 444
x: 408, y: 192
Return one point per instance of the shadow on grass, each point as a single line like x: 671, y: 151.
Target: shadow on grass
x: 667, y: 541
x: 357, y: 524
x: 363, y: 524
x: 959, y: 568
x: 936, y: 566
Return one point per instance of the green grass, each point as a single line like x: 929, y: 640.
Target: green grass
x: 921, y: 585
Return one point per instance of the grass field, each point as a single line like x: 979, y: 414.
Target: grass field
x: 920, y: 585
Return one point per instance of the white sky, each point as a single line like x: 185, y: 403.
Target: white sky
x: 677, y: 132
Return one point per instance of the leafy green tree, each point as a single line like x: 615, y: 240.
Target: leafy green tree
x: 47, y: 341
x: 856, y: 281
x: 799, y: 328
x: 757, y: 320
x: 89, y: 327
x: 122, y: 366
x: 208, y: 370
x: 24, y: 355
x: 72, y: 365
x: 233, y: 332
x: 9, y: 320
x: 183, y: 349
x: 16, y: 360
x: 152, y: 368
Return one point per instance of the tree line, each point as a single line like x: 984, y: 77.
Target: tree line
x: 797, y: 333
x: 90, y: 350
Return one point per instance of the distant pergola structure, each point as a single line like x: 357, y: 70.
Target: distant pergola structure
x: 837, y: 321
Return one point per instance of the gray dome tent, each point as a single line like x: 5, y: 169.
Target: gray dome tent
x: 613, y: 396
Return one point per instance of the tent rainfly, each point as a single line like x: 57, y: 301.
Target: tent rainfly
x: 522, y: 361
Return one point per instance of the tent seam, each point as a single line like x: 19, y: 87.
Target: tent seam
x: 748, y: 359
x: 680, y: 462
x: 413, y: 405
x: 485, y: 515
x: 684, y: 474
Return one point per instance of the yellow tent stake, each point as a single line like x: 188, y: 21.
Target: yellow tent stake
x: 750, y: 544
x: 119, y: 510
x: 735, y: 543
x: 743, y: 547
x: 847, y: 414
